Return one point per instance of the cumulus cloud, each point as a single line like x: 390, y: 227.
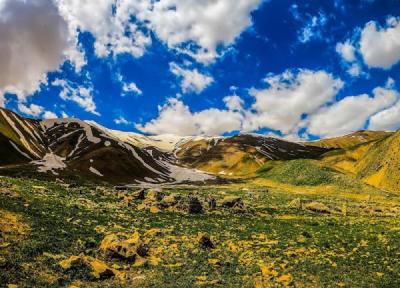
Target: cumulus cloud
x: 31, y: 110
x: 293, y: 102
x: 351, y: 113
x: 49, y: 115
x: 280, y: 106
x: 380, y: 46
x: 33, y: 40
x: 36, y: 111
x: 191, y: 80
x: 81, y: 95
x: 124, y: 26
x: 110, y: 22
x: 290, y: 96
x: 208, y: 23
x: 346, y: 50
x: 176, y: 118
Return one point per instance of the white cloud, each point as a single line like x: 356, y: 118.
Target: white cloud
x: 207, y: 23
x: 289, y: 96
x: 81, y: 95
x: 234, y: 103
x: 176, y: 118
x: 177, y: 23
x: 191, y: 80
x: 33, y: 39
x: 109, y: 21
x: 131, y: 88
x: 294, y: 100
x: 380, y: 46
x: 121, y: 121
x: 346, y: 50
x: 49, y: 115
x: 32, y: 110
x: 354, y: 70
x: 312, y: 28
x: 36, y: 111
x: 351, y: 113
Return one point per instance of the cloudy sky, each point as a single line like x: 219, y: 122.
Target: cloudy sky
x: 294, y: 69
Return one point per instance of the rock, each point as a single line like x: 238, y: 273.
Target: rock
x: 194, y: 206
x: 318, y: 207
x: 123, y: 246
x: 296, y: 204
x: 155, y: 195
x: 230, y: 201
x: 98, y: 269
x: 172, y: 199
x: 140, y: 194
x: 204, y: 240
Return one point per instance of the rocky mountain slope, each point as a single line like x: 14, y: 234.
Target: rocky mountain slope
x: 71, y: 147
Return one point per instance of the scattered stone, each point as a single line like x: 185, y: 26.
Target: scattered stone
x: 296, y: 204
x: 172, y: 199
x: 155, y: 195
x: 98, y: 269
x: 140, y: 194
x: 127, y: 247
x: 230, y: 201
x: 317, y: 207
x: 194, y: 206
x: 204, y: 240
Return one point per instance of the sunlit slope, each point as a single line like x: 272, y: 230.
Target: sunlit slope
x: 21, y: 139
x: 376, y: 162
x: 351, y: 140
x: 380, y: 166
x: 241, y: 155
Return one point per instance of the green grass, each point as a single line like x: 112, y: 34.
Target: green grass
x: 64, y: 221
x: 299, y: 172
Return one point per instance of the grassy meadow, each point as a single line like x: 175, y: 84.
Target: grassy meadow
x: 280, y: 235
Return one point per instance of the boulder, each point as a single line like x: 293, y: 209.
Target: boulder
x: 98, y: 269
x: 194, y: 206
x: 140, y: 194
x: 123, y: 246
x: 318, y: 207
x: 172, y: 199
x: 231, y: 201
x: 155, y: 195
x: 204, y: 240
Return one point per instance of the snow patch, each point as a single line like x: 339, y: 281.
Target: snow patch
x: 95, y: 171
x: 50, y: 162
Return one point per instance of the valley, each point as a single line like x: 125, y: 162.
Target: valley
x: 85, y: 206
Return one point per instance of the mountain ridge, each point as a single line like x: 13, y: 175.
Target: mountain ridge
x: 72, y: 146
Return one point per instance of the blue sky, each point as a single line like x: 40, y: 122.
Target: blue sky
x: 295, y: 69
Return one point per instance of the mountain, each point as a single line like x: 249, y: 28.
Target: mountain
x: 375, y: 160
x: 76, y: 148
x: 69, y: 147
x: 241, y: 155
x: 350, y: 140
